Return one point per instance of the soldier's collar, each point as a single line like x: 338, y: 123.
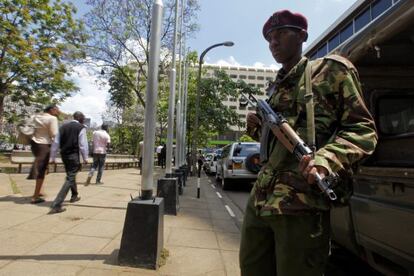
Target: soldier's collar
x: 295, y: 72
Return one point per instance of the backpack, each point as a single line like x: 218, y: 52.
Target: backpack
x: 26, y: 129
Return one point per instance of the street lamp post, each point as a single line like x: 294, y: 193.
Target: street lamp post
x: 195, y: 132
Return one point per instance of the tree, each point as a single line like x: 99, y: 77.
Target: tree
x: 121, y: 31
x: 38, y: 42
x: 215, y: 117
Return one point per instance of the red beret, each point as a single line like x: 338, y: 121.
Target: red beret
x: 285, y: 19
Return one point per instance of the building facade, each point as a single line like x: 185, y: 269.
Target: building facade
x: 253, y: 76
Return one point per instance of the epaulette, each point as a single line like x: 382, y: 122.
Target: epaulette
x: 341, y: 60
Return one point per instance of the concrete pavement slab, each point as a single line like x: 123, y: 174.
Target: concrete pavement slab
x: 228, y: 241
x: 15, y: 243
x: 96, y: 228
x: 231, y: 262
x: 111, y: 215
x: 11, y: 218
x: 185, y: 211
x: 192, y: 238
x: 188, y: 222
x: 225, y: 225
x: 69, y: 249
x: 193, y: 261
x: 49, y: 224
x: 20, y: 268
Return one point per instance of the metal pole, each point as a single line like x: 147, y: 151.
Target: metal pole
x: 195, y: 129
x: 171, y: 99
x: 151, y: 100
x: 178, y: 133
x: 184, y: 103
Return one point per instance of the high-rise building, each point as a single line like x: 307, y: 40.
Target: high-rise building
x: 253, y: 76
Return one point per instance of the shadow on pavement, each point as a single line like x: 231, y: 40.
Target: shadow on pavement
x: 109, y: 259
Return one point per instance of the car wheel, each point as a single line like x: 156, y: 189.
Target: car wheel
x: 225, y: 183
x: 217, y: 176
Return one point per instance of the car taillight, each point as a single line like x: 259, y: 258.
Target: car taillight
x: 230, y: 164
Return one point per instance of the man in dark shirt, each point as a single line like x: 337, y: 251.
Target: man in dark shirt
x: 71, y: 140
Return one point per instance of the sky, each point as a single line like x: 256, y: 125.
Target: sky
x: 240, y: 21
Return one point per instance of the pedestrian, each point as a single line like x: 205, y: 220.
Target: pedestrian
x: 101, y: 140
x: 200, y: 162
x: 158, y: 150
x: 163, y: 155
x: 46, y: 128
x: 71, y: 140
x: 286, y: 228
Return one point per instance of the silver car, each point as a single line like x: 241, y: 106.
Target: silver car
x: 239, y: 161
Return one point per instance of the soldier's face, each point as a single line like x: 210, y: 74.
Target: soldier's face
x: 285, y: 44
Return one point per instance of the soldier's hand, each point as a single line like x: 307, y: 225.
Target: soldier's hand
x: 309, y: 170
x: 253, y: 120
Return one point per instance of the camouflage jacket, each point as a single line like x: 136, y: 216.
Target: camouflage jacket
x: 345, y: 133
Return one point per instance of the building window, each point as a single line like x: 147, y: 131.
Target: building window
x: 242, y: 77
x: 251, y: 108
x: 260, y: 77
x: 233, y: 107
x: 362, y: 20
x: 346, y: 32
x: 379, y: 7
x: 251, y: 77
x: 269, y: 78
x: 242, y: 116
x: 242, y: 107
x: 333, y: 42
x: 233, y: 76
x: 323, y: 50
x: 252, y: 84
x: 233, y: 99
x: 260, y: 85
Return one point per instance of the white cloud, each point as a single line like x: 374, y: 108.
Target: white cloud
x: 91, y: 98
x: 230, y: 61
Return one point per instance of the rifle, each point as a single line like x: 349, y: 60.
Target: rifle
x: 288, y: 137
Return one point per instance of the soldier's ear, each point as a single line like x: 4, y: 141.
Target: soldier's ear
x: 303, y: 35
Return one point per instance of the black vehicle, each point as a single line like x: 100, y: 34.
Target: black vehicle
x: 378, y: 225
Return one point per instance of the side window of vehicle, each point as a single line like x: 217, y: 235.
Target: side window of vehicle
x: 395, y: 115
x: 226, y: 151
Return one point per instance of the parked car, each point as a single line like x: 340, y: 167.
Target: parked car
x: 206, y: 166
x: 238, y: 161
x: 210, y: 166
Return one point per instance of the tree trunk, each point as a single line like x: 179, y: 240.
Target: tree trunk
x: 2, y: 96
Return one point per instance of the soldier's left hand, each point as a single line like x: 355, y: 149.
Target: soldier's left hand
x: 308, y: 169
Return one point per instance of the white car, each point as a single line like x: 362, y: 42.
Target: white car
x: 238, y: 161
x: 210, y: 165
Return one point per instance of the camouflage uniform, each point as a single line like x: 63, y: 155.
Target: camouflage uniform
x: 285, y: 216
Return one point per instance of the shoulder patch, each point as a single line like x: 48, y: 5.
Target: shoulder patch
x: 341, y: 60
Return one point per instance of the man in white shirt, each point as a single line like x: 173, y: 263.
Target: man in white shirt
x: 101, y: 140
x: 71, y: 140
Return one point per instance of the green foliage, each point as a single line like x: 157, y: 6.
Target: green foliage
x: 38, y: 41
x: 121, y: 91
x: 246, y: 138
x: 214, y: 116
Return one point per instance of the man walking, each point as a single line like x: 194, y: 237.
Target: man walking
x: 286, y: 228
x: 71, y: 140
x: 46, y: 129
x: 101, y: 140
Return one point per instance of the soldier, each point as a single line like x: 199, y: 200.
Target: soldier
x: 286, y: 224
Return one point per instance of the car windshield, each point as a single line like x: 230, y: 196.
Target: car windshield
x: 243, y: 150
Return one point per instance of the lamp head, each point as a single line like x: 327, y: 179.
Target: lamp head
x: 228, y: 43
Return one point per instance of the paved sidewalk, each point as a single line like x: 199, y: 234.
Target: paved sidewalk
x: 202, y: 239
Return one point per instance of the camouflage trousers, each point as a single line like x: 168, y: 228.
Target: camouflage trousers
x: 284, y: 245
